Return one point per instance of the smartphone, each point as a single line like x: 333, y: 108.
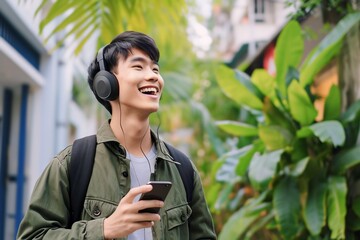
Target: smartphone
x: 159, y: 192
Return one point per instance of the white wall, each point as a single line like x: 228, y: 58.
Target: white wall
x: 50, y: 109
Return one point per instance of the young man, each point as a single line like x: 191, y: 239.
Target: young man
x: 128, y: 155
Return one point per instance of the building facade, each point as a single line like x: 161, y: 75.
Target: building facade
x: 36, y: 108
x: 241, y: 28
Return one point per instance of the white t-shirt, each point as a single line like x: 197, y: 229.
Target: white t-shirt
x: 140, y: 171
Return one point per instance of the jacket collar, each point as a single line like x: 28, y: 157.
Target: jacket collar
x: 106, y: 135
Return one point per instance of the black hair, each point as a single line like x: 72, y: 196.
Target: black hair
x: 121, y: 46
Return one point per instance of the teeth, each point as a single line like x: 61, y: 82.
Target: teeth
x: 150, y: 89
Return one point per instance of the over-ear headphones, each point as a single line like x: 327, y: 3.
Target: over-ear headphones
x: 105, y: 83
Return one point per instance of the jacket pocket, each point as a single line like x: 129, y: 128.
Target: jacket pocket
x: 98, y: 209
x: 178, y: 215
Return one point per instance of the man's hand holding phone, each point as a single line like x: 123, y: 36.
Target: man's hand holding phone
x: 130, y: 216
x: 159, y: 191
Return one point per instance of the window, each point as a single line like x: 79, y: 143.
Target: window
x: 259, y: 10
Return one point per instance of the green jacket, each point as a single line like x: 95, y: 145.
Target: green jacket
x: 48, y: 214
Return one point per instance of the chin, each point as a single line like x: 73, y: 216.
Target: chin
x: 152, y: 109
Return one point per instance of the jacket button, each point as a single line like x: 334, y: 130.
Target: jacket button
x: 183, y: 217
x: 97, y: 212
x: 125, y: 174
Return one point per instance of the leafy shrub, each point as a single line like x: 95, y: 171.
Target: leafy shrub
x: 301, y: 170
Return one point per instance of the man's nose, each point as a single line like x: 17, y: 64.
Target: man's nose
x: 151, y: 75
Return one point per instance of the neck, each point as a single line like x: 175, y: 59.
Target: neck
x: 132, y: 132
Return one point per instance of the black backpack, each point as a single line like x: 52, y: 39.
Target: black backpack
x: 80, y: 172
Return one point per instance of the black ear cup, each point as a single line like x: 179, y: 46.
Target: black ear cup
x: 105, y: 83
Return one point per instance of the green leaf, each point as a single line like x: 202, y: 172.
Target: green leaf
x: 237, y: 128
x: 264, y: 82
x: 259, y: 225
x: 246, y: 81
x: 227, y: 171
x: 78, y: 16
x: 77, y: 27
x: 212, y: 191
x: 299, y: 149
x: 286, y: 202
x: 345, y: 160
x: 304, y: 132
x: 236, y: 199
x: 275, y: 137
x: 57, y: 9
x: 277, y: 116
x: 315, y: 207
x: 332, y: 107
x: 208, y: 125
x: 336, y: 203
x: 328, y: 131
x: 240, y: 221
x: 327, y: 49
x: 288, y: 52
x: 40, y: 7
x: 292, y: 74
x: 245, y: 159
x: 263, y: 168
x: 84, y: 39
x: 301, y: 107
x: 234, y: 89
x: 352, y: 113
x: 296, y: 169
x: 223, y: 196
x: 308, y: 73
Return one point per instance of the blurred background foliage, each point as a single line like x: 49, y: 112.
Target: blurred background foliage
x: 195, y: 103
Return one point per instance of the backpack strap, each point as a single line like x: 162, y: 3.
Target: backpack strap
x: 81, y: 165
x: 186, y: 170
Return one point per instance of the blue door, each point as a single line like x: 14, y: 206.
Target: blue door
x: 5, y: 121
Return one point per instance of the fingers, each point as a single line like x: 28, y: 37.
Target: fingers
x: 130, y: 196
x: 142, y: 217
x: 148, y: 217
x: 144, y: 224
x: 144, y: 204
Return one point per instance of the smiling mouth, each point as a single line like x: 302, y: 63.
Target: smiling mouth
x: 149, y: 90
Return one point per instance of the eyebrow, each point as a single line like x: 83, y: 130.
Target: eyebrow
x: 141, y: 59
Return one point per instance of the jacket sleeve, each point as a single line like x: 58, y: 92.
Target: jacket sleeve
x: 200, y: 223
x: 48, y: 213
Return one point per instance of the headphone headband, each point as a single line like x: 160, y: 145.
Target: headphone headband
x: 100, y: 58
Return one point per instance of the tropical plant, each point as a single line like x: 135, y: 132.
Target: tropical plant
x: 301, y: 171
x: 80, y: 20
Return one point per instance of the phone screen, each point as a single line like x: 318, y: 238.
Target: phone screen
x: 159, y: 192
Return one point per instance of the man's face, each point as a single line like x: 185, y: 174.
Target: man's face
x: 140, y: 83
